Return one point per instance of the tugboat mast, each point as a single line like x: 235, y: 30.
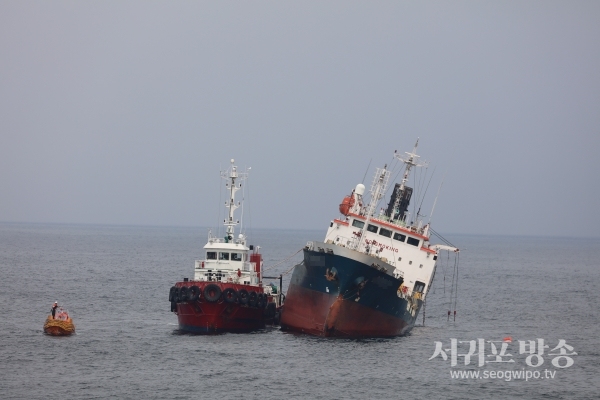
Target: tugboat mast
x: 231, y: 175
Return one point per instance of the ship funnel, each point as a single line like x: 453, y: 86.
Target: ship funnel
x: 360, y: 189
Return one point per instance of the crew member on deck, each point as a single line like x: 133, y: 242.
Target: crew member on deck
x: 54, y: 307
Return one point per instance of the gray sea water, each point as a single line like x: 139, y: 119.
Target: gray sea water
x: 115, y: 282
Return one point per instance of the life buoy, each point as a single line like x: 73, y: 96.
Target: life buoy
x: 252, y: 299
x: 172, y: 293
x: 183, y: 294
x: 230, y: 295
x: 243, y: 296
x: 194, y: 293
x: 212, y: 293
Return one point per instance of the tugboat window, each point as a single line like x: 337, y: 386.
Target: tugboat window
x: 385, y: 232
x: 223, y: 256
x: 413, y: 241
x: 400, y: 237
x: 372, y: 228
x: 211, y: 255
x: 358, y: 224
x: 236, y: 256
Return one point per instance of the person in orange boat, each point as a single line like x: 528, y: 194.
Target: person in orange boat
x: 54, y: 307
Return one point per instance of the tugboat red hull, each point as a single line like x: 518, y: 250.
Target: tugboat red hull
x: 218, y: 313
x: 219, y: 318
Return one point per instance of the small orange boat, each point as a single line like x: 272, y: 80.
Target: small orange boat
x: 61, y: 325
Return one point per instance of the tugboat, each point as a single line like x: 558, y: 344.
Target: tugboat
x: 371, y: 274
x: 227, y: 292
x: 59, y: 323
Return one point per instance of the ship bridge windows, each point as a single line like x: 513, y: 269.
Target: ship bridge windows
x: 223, y: 256
x: 400, y: 237
x: 385, y: 232
x: 372, y: 228
x: 211, y: 255
x: 413, y: 241
x: 358, y: 224
x: 236, y: 257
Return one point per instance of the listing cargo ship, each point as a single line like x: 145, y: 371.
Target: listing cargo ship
x: 371, y: 274
x: 227, y: 292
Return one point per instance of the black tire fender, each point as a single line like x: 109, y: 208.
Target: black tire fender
x: 194, y: 293
x: 230, y: 295
x: 212, y: 293
x: 252, y: 298
x: 270, y: 310
x: 243, y: 296
x: 183, y: 294
x: 261, y: 301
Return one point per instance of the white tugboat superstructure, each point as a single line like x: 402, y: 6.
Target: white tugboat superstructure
x: 228, y: 259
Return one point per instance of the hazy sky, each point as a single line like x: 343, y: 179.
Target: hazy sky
x: 123, y: 112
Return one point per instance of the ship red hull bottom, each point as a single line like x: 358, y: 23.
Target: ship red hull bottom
x: 323, y: 314
x: 210, y: 318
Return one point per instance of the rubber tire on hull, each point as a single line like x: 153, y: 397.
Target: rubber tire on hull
x: 252, y: 299
x: 212, y: 293
x: 194, y: 293
x: 243, y: 296
x: 172, y: 293
x: 261, y: 301
x: 176, y: 295
x: 183, y: 294
x: 270, y: 310
x: 230, y: 295
x: 173, y: 306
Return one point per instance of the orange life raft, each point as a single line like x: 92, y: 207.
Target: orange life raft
x: 62, y: 325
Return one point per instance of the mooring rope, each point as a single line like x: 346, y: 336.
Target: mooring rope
x: 290, y: 270
x: 281, y: 262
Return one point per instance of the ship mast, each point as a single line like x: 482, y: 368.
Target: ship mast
x: 234, y: 184
x: 410, y: 160
x: 378, y: 188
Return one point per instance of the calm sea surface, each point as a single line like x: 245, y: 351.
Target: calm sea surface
x: 115, y: 282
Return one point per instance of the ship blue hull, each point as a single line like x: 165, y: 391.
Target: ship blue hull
x: 336, y: 295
